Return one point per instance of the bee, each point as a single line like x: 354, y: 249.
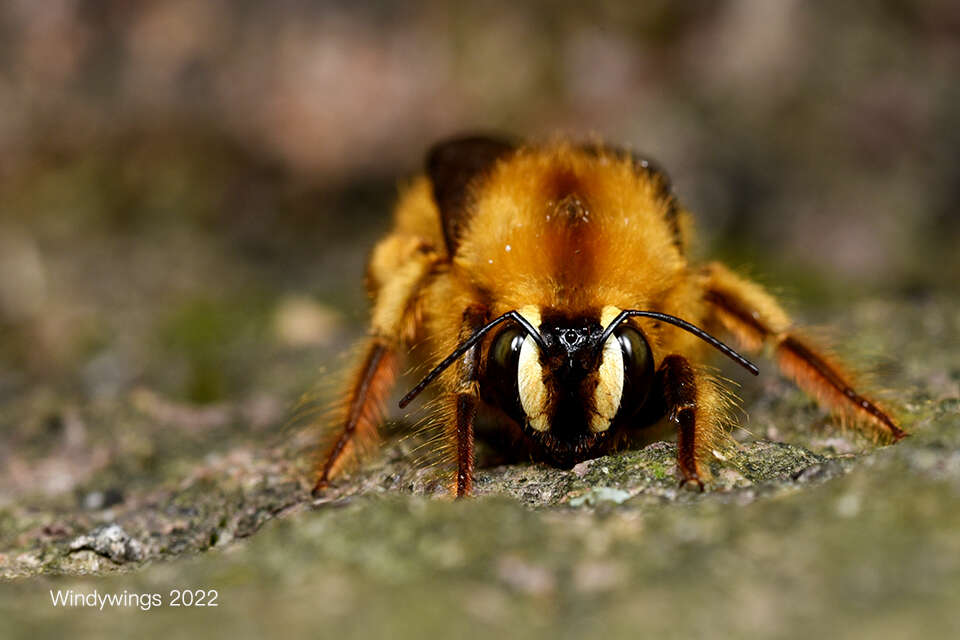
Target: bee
x: 552, y: 285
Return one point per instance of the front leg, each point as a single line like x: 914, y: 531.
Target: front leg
x: 465, y: 399
x: 690, y: 407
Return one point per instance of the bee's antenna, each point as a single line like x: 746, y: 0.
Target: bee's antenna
x: 686, y: 326
x: 466, y: 344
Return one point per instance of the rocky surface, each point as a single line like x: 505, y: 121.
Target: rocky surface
x: 815, y: 528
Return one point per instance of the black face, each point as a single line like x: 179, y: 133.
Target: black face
x: 569, y: 363
x: 572, y: 352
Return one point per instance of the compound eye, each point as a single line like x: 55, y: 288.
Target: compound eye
x: 637, y: 369
x: 500, y: 386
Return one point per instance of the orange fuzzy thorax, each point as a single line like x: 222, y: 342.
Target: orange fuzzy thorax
x: 558, y: 228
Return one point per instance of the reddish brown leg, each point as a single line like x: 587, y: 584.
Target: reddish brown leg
x: 466, y: 398
x: 363, y: 407
x: 751, y: 314
x: 679, y: 384
x: 813, y: 372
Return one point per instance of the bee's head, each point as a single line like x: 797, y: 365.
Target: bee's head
x: 570, y: 388
x: 568, y: 380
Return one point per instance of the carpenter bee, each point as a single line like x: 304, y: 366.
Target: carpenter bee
x: 552, y: 284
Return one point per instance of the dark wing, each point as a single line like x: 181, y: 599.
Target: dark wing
x: 452, y: 165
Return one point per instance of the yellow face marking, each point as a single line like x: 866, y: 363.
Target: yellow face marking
x: 608, y: 314
x: 606, y: 397
x: 533, y: 393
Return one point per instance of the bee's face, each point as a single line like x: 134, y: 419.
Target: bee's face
x: 571, y: 393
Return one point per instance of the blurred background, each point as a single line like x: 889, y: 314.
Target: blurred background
x: 188, y: 190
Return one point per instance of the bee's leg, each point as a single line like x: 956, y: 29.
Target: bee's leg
x: 398, y: 268
x: 362, y: 406
x: 745, y: 309
x: 465, y: 398
x: 689, y: 407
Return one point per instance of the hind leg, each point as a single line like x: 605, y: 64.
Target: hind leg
x: 398, y: 270
x: 745, y: 309
x: 362, y: 408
